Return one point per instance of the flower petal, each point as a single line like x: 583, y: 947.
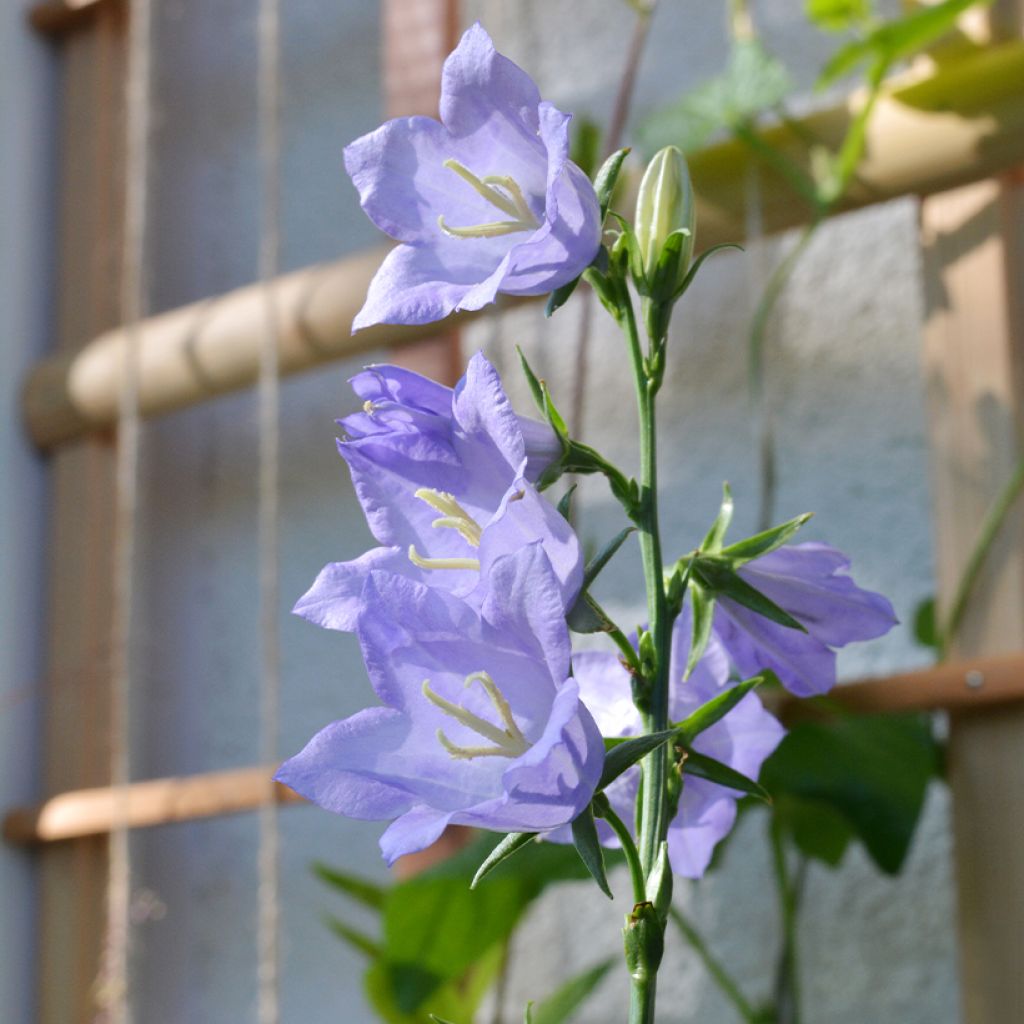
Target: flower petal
x: 413, y: 831
x: 704, y: 819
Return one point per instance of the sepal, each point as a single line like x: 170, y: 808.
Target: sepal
x: 588, y: 846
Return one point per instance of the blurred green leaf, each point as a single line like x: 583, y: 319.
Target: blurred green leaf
x: 585, y: 144
x: 926, y: 625
x: 818, y: 830
x: 559, y: 1007
x: 873, y: 771
x: 838, y: 15
x: 753, y: 82
x: 356, y: 939
x: 369, y: 894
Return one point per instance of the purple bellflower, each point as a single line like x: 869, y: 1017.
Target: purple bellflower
x: 481, y: 722
x: 810, y: 582
x: 443, y: 476
x: 742, y: 740
x: 483, y: 201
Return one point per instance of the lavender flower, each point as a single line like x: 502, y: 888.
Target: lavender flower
x: 809, y: 581
x: 484, y: 201
x: 742, y: 740
x: 444, y: 479
x: 481, y: 724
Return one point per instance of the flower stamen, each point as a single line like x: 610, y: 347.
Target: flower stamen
x: 453, y: 517
x: 508, y: 741
x: 502, y: 192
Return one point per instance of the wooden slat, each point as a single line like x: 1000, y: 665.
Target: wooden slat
x: 974, y: 345
x: 973, y: 684
x: 958, y: 125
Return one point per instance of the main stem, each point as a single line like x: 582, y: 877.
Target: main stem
x: 655, y: 715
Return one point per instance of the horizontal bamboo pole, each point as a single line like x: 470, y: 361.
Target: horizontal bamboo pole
x: 957, y: 687
x: 962, y: 123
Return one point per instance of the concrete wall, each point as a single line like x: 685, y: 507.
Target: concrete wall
x: 845, y: 375
x: 26, y: 79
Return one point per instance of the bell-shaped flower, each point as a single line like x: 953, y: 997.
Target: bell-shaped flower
x: 441, y: 474
x: 743, y: 739
x: 483, y: 201
x: 481, y: 722
x: 810, y: 582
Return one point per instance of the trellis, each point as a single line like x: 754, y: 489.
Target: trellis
x: 951, y: 136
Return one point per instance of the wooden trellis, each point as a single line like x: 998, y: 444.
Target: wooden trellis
x: 935, y: 132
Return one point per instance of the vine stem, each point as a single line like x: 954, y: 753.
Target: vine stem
x: 655, y: 714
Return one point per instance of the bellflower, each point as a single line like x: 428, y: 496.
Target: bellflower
x: 810, y: 582
x: 742, y: 740
x: 481, y: 722
x: 484, y: 201
x: 443, y: 476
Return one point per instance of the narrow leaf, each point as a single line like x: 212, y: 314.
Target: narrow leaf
x: 705, y: 767
x: 560, y: 1006
x: 586, y: 616
x: 511, y: 844
x: 715, y: 536
x: 715, y: 709
x: 761, y: 543
x: 554, y: 417
x: 531, y: 379
x: 698, y: 263
x: 439, y: 1020
x: 560, y: 296
x: 703, y: 605
x: 607, y: 176
x: 588, y: 846
x: 725, y: 582
x: 565, y: 503
x: 626, y: 754
x: 604, y: 556
x: 355, y: 938
x: 368, y: 893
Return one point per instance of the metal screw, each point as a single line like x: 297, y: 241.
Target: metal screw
x: 974, y: 679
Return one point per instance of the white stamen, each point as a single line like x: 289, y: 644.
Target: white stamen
x: 504, y: 194
x: 509, y: 741
x: 420, y: 562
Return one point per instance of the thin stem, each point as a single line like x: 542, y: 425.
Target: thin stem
x: 727, y: 985
x: 990, y: 527
x: 641, y: 1001
x: 787, y: 988
x: 636, y: 872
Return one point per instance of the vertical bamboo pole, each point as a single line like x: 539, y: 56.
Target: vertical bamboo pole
x: 973, y: 254
x: 77, y: 698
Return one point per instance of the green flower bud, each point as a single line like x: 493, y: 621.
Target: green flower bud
x: 664, y: 208
x: 643, y: 940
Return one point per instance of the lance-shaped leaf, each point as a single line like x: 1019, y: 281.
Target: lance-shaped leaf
x: 356, y: 939
x: 606, y: 177
x: 604, y: 556
x: 716, y: 709
x: 532, y: 380
x: 587, y: 616
x: 564, y: 505
x: 697, y: 264
x: 368, y: 893
x: 588, y: 846
x: 511, y: 844
x: 713, y: 539
x: 560, y: 296
x: 705, y: 767
x: 723, y: 581
x: 703, y: 604
x: 761, y: 543
x: 625, y: 753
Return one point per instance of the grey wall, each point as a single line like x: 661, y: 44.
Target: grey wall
x: 26, y: 74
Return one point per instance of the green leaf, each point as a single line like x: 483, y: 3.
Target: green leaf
x: 368, y: 893
x: 723, y: 581
x: 819, y: 831
x: 565, y: 503
x: 838, y: 15
x: 532, y: 380
x: 926, y: 625
x: 698, y: 263
x: 703, y: 604
x: 528, y: 1015
x: 356, y: 939
x: 625, y: 753
x: 716, y: 535
x: 753, y: 82
x: 554, y: 417
x: 586, y: 144
x: 439, y: 1020
x: 874, y: 771
x: 716, y: 709
x: 705, y: 767
x: 897, y: 39
x: 560, y: 296
x: 511, y: 844
x: 588, y: 846
x: 604, y: 556
x: 607, y: 176
x: 761, y: 543
x: 559, y: 1007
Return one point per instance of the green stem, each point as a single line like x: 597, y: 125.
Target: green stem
x: 636, y: 872
x: 990, y: 527
x: 726, y: 983
x: 641, y: 1001
x: 787, y: 989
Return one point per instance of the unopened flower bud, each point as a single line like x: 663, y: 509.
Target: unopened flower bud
x: 664, y: 208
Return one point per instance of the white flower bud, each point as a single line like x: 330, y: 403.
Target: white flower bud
x: 664, y: 206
